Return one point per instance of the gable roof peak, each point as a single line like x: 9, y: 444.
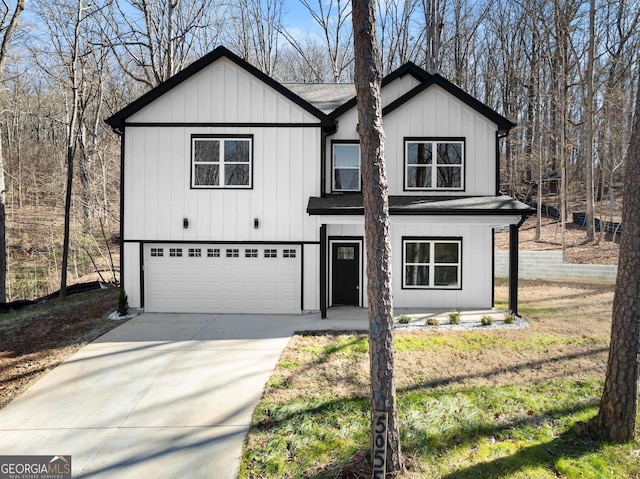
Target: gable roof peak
x: 408, y: 68
x: 117, y: 120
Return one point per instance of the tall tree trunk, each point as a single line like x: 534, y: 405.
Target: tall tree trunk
x: 588, y: 113
x: 71, y: 147
x: 384, y: 413
x: 4, y: 47
x: 433, y: 27
x: 3, y: 231
x: 616, y: 418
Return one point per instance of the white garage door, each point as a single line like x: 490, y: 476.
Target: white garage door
x: 222, y: 278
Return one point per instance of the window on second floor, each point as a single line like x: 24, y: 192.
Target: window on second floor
x: 221, y: 162
x: 434, y: 164
x: 346, y: 167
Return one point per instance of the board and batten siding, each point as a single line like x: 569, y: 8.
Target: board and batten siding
x: 398, y: 87
x: 432, y: 113
x: 222, y: 93
x: 158, y: 194
x: 477, y: 257
x: 222, y: 99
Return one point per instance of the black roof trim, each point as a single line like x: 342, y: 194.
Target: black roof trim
x: 351, y: 204
x: 408, y: 68
x: 117, y: 120
x: 503, y: 123
x: 426, y: 80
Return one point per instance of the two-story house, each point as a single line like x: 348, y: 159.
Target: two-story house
x: 242, y: 194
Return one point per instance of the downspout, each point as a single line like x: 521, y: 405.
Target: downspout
x: 499, y: 136
x: 327, y: 130
x: 120, y: 132
x: 513, y: 265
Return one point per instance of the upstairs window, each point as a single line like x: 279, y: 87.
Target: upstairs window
x: 432, y: 263
x: 219, y: 162
x: 346, y: 167
x: 434, y: 165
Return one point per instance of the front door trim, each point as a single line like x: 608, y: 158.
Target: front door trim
x: 358, y: 240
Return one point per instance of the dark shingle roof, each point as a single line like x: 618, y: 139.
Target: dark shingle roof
x: 351, y: 204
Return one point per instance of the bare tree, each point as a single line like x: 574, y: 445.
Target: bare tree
x: 302, y: 61
x: 153, y: 40
x: 616, y: 418
x: 385, y: 433
x: 589, y: 126
x: 74, y: 66
x: 333, y: 20
x: 395, y: 32
x: 256, y: 31
x: 65, y: 22
x: 8, y: 26
x: 620, y: 40
x: 434, y: 24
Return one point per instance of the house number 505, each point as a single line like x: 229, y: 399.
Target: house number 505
x: 379, y: 444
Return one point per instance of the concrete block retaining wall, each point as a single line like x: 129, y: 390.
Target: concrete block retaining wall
x: 550, y: 266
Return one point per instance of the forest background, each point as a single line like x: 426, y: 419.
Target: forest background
x: 564, y: 70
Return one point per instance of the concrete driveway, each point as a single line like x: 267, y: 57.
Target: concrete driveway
x: 162, y: 396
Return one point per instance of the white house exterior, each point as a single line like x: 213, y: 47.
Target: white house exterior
x: 241, y: 194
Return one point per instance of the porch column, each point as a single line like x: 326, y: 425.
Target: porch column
x: 513, y: 268
x: 323, y: 271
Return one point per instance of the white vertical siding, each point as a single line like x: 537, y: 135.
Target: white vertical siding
x: 222, y: 93
x: 394, y: 90
x: 477, y: 257
x: 476, y: 268
x: 311, y: 278
x: 131, y: 279
x: 158, y: 193
x: 432, y: 113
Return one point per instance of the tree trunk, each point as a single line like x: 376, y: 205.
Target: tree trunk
x: 616, y: 418
x: 589, y: 133
x: 377, y: 237
x: 71, y: 148
x: 9, y: 30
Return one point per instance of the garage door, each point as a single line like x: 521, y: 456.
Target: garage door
x: 222, y: 278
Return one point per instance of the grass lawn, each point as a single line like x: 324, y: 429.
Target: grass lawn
x: 485, y: 404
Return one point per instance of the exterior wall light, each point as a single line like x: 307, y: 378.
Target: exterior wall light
x: 185, y: 223
x: 256, y: 223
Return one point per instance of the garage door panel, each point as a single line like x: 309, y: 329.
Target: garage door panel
x: 223, y: 278
x: 270, y: 288
x: 288, y: 287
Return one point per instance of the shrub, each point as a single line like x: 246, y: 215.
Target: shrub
x: 432, y: 322
x: 486, y: 320
x: 454, y: 317
x: 509, y: 318
x: 404, y: 319
x: 123, y: 303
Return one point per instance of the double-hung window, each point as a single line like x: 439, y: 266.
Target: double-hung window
x: 346, y: 167
x: 434, y: 164
x: 431, y: 263
x: 221, y: 162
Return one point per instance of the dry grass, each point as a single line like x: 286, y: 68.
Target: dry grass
x: 472, y: 404
x: 568, y: 338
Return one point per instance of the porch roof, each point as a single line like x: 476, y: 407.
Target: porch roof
x: 352, y: 204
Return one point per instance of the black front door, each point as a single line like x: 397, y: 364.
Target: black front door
x: 345, y: 274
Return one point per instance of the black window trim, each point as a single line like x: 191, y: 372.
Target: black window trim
x: 441, y: 139
x: 221, y: 136
x: 431, y: 239
x: 332, y: 165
